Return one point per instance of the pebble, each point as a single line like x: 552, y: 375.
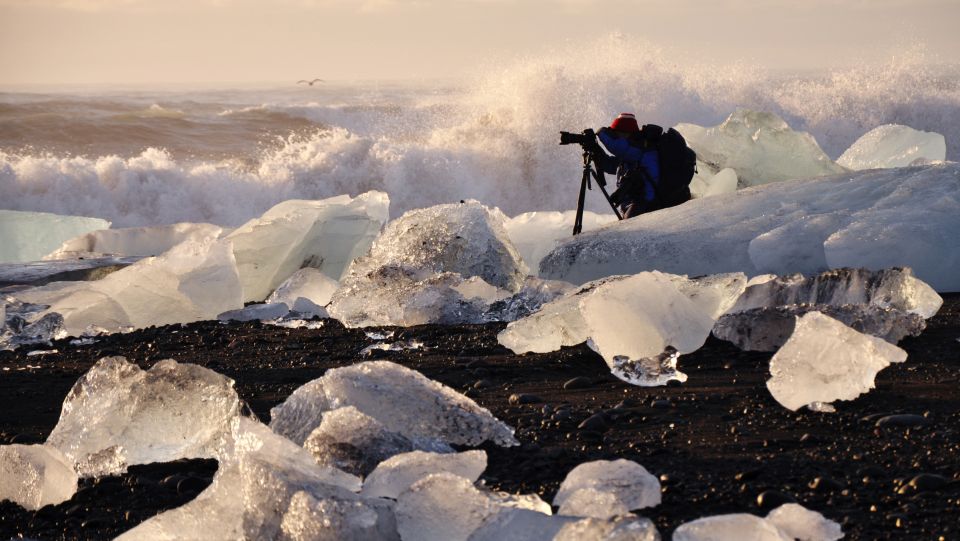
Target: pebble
x: 924, y: 482
x: 662, y: 403
x: 771, y: 499
x: 579, y: 382
x: 902, y: 420
x: 482, y: 384
x: 191, y: 485
x: 524, y: 398
x: 825, y: 484
x: 595, y: 423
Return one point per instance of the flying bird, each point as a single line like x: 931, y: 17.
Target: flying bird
x: 302, y: 81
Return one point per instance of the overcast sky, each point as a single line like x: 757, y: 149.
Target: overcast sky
x: 173, y: 41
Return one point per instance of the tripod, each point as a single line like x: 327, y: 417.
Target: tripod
x: 590, y: 170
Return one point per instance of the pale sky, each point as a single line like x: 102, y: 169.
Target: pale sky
x: 210, y: 41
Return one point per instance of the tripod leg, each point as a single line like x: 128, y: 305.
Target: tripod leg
x: 578, y: 222
x: 614, y: 207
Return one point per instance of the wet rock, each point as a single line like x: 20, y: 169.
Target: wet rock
x: 904, y: 420
x: 661, y: 404
x: 191, y: 485
x: 924, y: 482
x: 579, y: 382
x: 595, y: 423
x: 482, y: 384
x: 771, y: 499
x: 825, y: 484
x: 524, y: 398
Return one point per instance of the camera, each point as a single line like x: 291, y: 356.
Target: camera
x: 588, y: 137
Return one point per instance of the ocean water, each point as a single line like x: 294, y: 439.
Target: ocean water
x: 145, y: 156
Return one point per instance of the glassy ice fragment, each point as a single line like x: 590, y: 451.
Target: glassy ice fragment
x: 623, y: 485
x: 734, y: 527
x: 397, y: 473
x: 33, y: 476
x: 802, y: 524
x: 623, y: 528
x: 353, y: 442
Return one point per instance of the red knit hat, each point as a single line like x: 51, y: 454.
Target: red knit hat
x: 625, y: 122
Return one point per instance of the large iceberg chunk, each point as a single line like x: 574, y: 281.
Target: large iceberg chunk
x: 427, y: 266
x: 326, y: 234
x: 260, y: 473
x: 35, y: 475
x: 28, y: 236
x: 536, y: 233
x: 607, y: 488
x: 117, y: 415
x: 824, y: 360
x: 195, y: 280
x: 402, y: 400
x: 760, y: 147
x: 133, y: 241
x: 873, y: 219
x: 629, y: 320
x: 893, y: 145
x: 398, y: 473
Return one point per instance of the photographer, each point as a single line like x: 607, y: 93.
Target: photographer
x: 634, y: 160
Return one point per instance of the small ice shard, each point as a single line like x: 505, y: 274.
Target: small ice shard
x: 821, y: 407
x: 326, y: 234
x: 256, y: 312
x: 824, y: 360
x: 330, y: 519
x: 353, y: 442
x: 630, y: 318
x: 309, y: 284
x: 530, y: 502
x: 118, y: 415
x: 28, y: 236
x: 397, y: 473
x: 258, y: 477
x: 374, y: 335
x: 893, y: 145
x: 25, y: 324
x: 132, y: 241
x: 734, y: 527
x: 442, y: 507
x: 193, y: 281
x: 536, y: 233
x: 395, y: 346
x: 802, y: 524
x: 604, y: 488
x: 761, y: 147
x: 426, y: 267
x: 624, y: 528
x: 768, y: 328
x: 295, y: 323
x: 403, y: 400
x: 649, y: 371
x: 531, y: 297
x: 33, y: 476
x: 895, y: 288
x: 83, y: 342
x: 37, y: 352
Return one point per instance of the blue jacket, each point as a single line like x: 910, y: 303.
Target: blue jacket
x: 630, y: 157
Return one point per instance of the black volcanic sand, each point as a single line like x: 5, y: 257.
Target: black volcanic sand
x: 719, y: 442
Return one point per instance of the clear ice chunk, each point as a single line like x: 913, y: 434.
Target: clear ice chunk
x: 326, y: 234
x: 768, y: 328
x: 118, y: 415
x: 623, y: 528
x: 310, y: 285
x: 28, y: 236
x: 874, y: 219
x: 258, y: 477
x: 33, y: 476
x: 824, y: 360
x: 25, y: 324
x: 353, y: 442
x: 734, y: 527
x: 649, y: 371
x: 532, y: 296
x: 333, y: 519
x: 397, y: 473
x: 760, y: 147
x: 893, y: 145
x: 536, y: 233
x: 802, y: 524
x: 442, y: 507
x: 605, y: 488
x: 510, y: 524
x: 895, y: 288
x: 402, y: 400
x: 133, y: 241
x: 420, y: 269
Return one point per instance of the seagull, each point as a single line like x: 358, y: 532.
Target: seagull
x: 302, y: 81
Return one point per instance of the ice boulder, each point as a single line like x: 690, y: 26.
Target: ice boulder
x: 353, y: 442
x: 335, y: 519
x: 802, y: 524
x: 259, y: 476
x: 624, y: 528
x: 195, y: 280
x: 118, y: 415
x: 824, y: 360
x: 520, y: 525
x: 396, y: 474
x: 789, y: 522
x: 132, y: 241
x: 893, y: 145
x: 28, y: 236
x: 326, y: 235
x: 636, y: 323
x: 306, y: 291
x: 894, y: 288
x: 760, y: 147
x: 428, y: 266
x: 874, y: 219
x: 33, y: 476
x: 534, y: 234
x: 607, y: 488
x: 402, y: 400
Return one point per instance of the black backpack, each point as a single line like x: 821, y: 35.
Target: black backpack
x: 678, y: 163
